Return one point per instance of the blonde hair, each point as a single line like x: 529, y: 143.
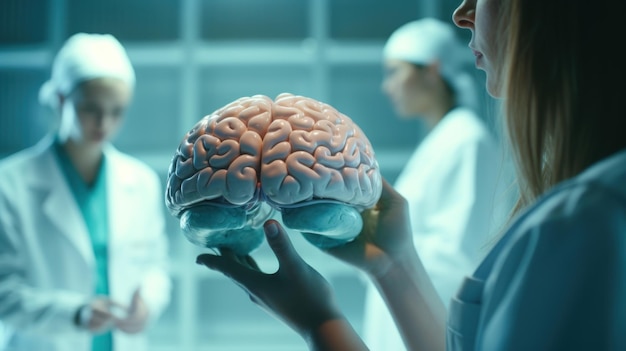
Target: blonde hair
x: 562, y: 93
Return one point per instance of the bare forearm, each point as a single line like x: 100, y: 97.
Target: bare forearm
x: 335, y: 335
x: 412, y: 299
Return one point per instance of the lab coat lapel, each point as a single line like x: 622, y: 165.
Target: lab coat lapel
x: 119, y: 195
x: 59, y: 205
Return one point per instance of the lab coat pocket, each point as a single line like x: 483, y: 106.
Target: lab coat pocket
x: 461, y: 328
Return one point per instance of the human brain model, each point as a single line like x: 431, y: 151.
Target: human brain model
x: 255, y: 157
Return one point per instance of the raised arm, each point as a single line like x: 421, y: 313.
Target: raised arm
x: 385, y: 251
x: 302, y: 298
x: 296, y: 293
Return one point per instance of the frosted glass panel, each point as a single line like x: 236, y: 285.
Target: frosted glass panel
x: 23, y: 21
x: 23, y: 121
x: 254, y: 19
x: 221, y: 86
x: 369, y: 19
x: 145, y: 20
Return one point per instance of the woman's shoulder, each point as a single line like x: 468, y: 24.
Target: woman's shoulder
x: 129, y: 167
x: 603, y: 182
x: 609, y: 173
x: 123, y: 159
x: 594, y: 199
x: 23, y: 161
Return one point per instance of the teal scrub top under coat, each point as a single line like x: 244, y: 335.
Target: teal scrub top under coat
x: 92, y: 201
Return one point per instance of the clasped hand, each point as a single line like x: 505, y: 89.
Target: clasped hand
x: 107, y: 314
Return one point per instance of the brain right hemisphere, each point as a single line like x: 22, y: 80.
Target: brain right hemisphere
x: 288, y: 153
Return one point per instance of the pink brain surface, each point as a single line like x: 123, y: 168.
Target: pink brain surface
x: 288, y: 153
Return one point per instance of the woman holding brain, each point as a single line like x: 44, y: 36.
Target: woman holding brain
x: 555, y: 279
x: 83, y: 253
x: 455, y: 181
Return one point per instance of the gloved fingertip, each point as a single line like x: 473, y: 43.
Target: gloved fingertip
x: 271, y: 229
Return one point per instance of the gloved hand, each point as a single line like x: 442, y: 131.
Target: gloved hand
x: 385, y: 238
x: 295, y: 293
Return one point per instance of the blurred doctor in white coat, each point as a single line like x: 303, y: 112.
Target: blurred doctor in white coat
x: 454, y: 181
x: 83, y: 252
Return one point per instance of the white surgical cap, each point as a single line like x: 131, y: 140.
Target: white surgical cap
x: 428, y: 40
x: 84, y: 57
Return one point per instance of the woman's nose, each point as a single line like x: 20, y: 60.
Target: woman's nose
x: 463, y: 16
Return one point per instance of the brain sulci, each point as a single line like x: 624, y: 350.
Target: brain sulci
x: 287, y: 152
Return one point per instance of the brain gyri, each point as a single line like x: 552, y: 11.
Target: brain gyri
x: 254, y: 156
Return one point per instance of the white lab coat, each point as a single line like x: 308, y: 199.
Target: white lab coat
x: 453, y: 182
x: 46, y: 258
x: 4, y: 337
x: 557, y: 278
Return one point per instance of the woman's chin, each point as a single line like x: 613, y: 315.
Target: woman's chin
x: 493, y: 88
